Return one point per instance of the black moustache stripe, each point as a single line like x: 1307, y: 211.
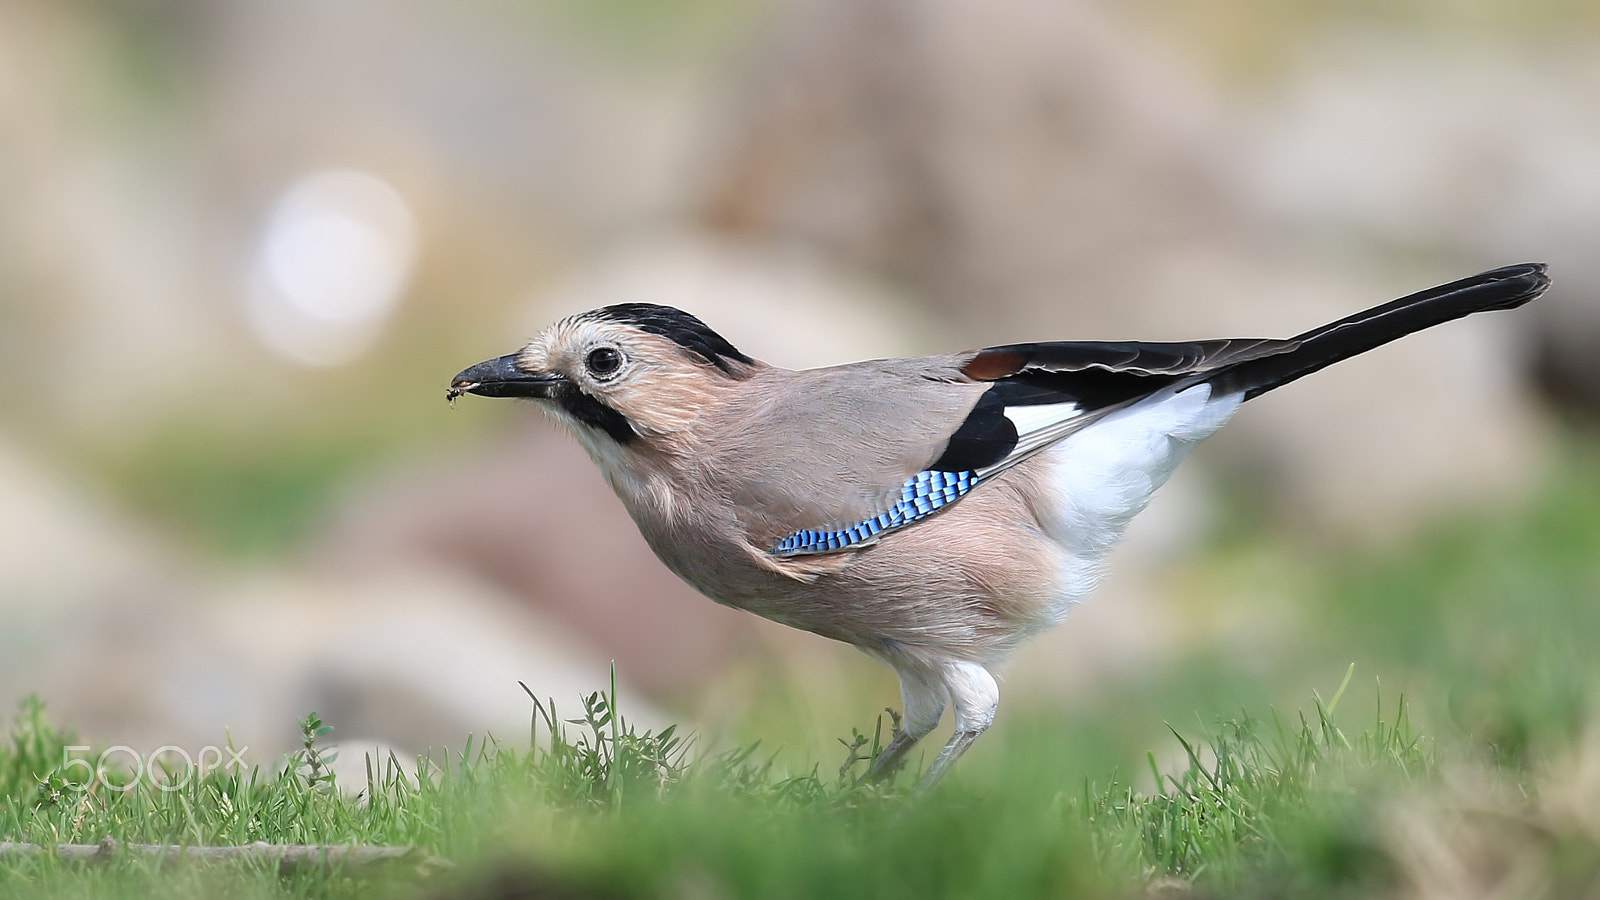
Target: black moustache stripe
x: 589, y: 411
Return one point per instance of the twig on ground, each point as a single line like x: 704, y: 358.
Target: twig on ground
x: 286, y: 855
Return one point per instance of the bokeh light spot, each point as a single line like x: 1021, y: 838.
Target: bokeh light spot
x: 331, y: 265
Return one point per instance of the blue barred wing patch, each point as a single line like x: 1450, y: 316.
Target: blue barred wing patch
x: 924, y: 494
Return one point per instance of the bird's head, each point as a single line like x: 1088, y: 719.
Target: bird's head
x: 617, y: 374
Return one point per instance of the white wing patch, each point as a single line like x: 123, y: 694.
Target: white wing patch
x: 1029, y: 419
x: 1037, y: 428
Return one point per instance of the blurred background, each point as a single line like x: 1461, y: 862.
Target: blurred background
x: 245, y: 244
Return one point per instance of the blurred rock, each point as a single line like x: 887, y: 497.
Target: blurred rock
x: 65, y: 558
x: 995, y: 157
x: 500, y: 104
x: 1566, y: 353
x: 98, y: 231
x: 129, y: 646
x: 413, y: 657
x: 1457, y: 152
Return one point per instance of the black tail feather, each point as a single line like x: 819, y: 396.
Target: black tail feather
x: 1504, y: 288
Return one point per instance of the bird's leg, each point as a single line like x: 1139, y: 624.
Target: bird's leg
x: 891, y: 759
x: 974, y: 695
x: 953, y: 748
x: 923, y: 694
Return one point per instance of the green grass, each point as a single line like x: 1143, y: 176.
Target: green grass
x: 598, y: 808
x: 1483, y: 781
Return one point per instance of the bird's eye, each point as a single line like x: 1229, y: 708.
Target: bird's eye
x: 603, y: 362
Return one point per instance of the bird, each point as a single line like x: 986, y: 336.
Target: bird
x: 935, y: 512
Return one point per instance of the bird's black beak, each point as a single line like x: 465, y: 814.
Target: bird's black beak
x: 501, y: 378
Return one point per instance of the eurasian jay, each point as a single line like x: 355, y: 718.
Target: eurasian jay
x: 935, y: 512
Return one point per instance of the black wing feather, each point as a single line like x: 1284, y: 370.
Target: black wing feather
x: 1098, y: 376
x: 1092, y: 376
x: 985, y: 438
x: 1136, y: 357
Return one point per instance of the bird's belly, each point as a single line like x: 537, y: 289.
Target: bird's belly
x: 971, y: 582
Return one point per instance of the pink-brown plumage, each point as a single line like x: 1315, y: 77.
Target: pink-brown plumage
x: 719, y: 458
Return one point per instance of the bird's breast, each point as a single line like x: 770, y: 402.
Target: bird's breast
x: 697, y: 537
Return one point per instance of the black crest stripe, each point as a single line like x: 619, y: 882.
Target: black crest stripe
x: 679, y: 327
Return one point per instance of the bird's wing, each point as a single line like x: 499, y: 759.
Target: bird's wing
x: 821, y: 450
x: 834, y: 459
x: 1040, y: 393
x: 930, y: 430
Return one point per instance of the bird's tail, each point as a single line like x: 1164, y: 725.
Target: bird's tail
x: 1504, y: 288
